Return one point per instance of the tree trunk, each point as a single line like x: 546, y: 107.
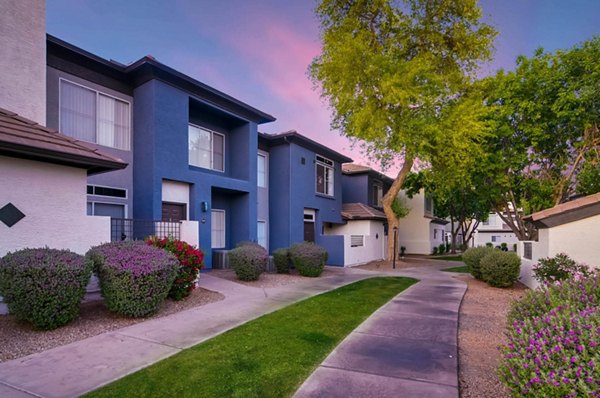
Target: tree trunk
x: 389, y: 197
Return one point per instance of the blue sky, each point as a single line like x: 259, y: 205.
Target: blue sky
x: 258, y: 50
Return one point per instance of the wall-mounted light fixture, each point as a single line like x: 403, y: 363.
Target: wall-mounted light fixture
x: 204, y: 206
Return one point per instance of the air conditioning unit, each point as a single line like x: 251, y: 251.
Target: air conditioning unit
x: 220, y: 259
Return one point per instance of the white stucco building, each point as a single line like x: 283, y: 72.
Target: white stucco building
x: 572, y: 228
x: 494, y: 231
x: 420, y: 231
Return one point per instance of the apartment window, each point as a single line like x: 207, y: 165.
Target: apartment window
x: 324, y: 170
x: 377, y: 194
x: 261, y: 233
x: 92, y: 116
x: 261, y: 169
x: 435, y: 234
x: 217, y: 229
x: 357, y: 240
x: 528, y: 250
x: 495, y: 238
x: 206, y: 148
x: 106, y: 191
x: 428, y: 206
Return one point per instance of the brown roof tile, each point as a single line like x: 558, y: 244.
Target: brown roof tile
x: 360, y: 211
x: 24, y: 138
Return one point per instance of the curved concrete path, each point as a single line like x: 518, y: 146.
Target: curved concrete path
x: 397, y: 349
x: 407, y: 348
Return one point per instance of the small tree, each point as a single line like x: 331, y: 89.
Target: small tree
x: 396, y: 76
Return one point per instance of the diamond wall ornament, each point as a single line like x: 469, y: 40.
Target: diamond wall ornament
x: 10, y: 215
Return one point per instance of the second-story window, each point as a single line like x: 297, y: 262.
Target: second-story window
x: 92, y: 116
x: 428, y: 206
x: 206, y: 148
x: 324, y: 174
x: 377, y: 194
x: 261, y: 171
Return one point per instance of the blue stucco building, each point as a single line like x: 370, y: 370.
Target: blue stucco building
x: 304, y: 192
x: 191, y: 150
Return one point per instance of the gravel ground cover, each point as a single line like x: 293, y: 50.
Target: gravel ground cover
x: 267, y: 279
x: 20, y: 339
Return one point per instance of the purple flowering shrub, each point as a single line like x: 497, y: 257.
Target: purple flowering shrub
x: 248, y: 260
x: 135, y: 278
x: 308, y: 258
x: 558, y: 268
x: 44, y: 286
x: 553, y: 342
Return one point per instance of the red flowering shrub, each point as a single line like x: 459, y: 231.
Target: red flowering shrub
x: 190, y: 261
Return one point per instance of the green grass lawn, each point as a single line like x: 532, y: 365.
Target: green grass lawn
x: 457, y: 257
x: 464, y: 269
x: 268, y: 357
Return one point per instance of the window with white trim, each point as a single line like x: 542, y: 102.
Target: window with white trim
x: 496, y: 238
x: 261, y: 170
x: 261, y: 233
x: 93, y: 116
x: 428, y: 206
x: 206, y: 148
x: 217, y: 229
x: 357, y: 240
x: 324, y: 175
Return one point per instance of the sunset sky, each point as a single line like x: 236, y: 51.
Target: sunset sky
x: 258, y: 50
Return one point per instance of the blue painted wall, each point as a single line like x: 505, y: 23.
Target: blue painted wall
x: 162, y: 114
x: 355, y: 188
x: 292, y: 189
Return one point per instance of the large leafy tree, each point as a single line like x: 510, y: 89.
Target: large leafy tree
x: 395, y: 74
x: 546, y: 115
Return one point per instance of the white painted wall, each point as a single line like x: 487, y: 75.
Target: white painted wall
x: 580, y: 240
x: 373, y: 239
x: 494, y: 224
x: 190, y: 232
x: 53, y: 199
x: 23, y: 58
x: 414, y: 230
x: 177, y: 192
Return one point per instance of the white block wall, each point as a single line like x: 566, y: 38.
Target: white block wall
x: 53, y: 199
x: 374, y: 241
x: 23, y: 58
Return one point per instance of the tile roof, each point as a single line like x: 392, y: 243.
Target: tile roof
x: 24, y: 138
x: 353, y: 168
x: 360, y: 211
x: 570, y: 211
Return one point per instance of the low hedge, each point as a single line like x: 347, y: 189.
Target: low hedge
x: 500, y: 269
x: 248, y: 260
x: 135, y: 278
x: 308, y: 258
x: 281, y: 258
x: 44, y: 286
x: 472, y: 258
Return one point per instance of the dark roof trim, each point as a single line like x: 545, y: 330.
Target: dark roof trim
x: 297, y: 138
x: 147, y: 68
x: 567, y: 212
x: 93, y: 166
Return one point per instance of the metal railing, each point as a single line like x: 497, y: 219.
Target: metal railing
x: 134, y: 229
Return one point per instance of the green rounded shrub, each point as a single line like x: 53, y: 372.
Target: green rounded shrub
x: 442, y: 248
x: 44, y: 286
x: 281, y: 258
x: 308, y: 258
x: 500, y: 269
x: 135, y: 278
x: 248, y: 261
x: 472, y: 258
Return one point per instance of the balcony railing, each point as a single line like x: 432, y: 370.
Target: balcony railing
x: 134, y: 229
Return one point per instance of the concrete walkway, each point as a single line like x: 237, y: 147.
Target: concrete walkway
x: 397, y: 345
